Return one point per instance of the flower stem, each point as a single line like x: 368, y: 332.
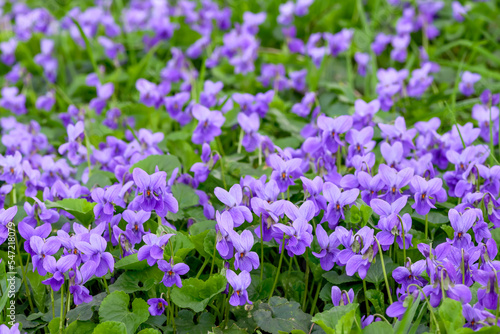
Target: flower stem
x: 315, y: 299
x: 404, y: 239
x: 213, y: 257
x: 366, y: 299
x: 261, y: 251
x: 304, y: 299
x: 61, y: 315
x: 105, y: 285
x: 240, y: 142
x: 202, y: 267
x: 383, y: 270
x: 25, y: 282
x: 426, y: 227
x: 279, y: 266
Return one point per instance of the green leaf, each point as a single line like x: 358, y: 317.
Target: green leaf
x: 54, y: 325
x: 196, y: 294
x: 149, y: 331
x: 131, y: 262
x: 329, y: 319
x: 78, y: 207
x: 115, y: 307
x: 100, y: 178
x: 375, y: 274
x: 111, y: 327
x: 379, y: 327
x: 81, y: 327
x: 185, y: 195
x: 402, y: 327
x: 166, y: 163
x: 39, y: 289
x: 233, y: 329
x: 85, y: 311
x: 201, y: 226
x: 336, y: 279
x: 185, y: 324
x: 132, y: 281
x: 281, y: 315
x: 293, y: 284
x: 345, y: 323
x: 366, y: 213
x: 450, y: 313
x: 376, y: 297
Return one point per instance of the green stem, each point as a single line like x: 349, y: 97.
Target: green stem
x: 87, y: 47
x: 384, y: 271
x: 226, y: 316
x: 279, y: 266
x: 304, y: 299
x: 403, y: 235
x: 213, y: 258
x: 25, y: 282
x: 53, y: 303
x: 366, y: 299
x: 68, y: 304
x: 202, y: 267
x: 240, y: 142
x: 221, y: 161
x: 315, y: 299
x: 261, y: 251
x: 61, y: 315
x: 105, y: 285
x: 426, y: 227
x: 429, y: 306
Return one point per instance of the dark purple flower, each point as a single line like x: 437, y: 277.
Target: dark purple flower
x: 157, y: 306
x: 427, y: 193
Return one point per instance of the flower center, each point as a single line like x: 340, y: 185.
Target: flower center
x: 283, y: 175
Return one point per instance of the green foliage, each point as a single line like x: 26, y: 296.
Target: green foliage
x: 338, y: 319
x: 115, y: 308
x: 196, y: 294
x: 281, y: 315
x: 78, y: 207
x: 165, y: 163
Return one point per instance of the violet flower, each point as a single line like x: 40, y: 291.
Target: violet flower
x: 209, y: 124
x: 239, y: 283
x: 157, y: 306
x: 232, y: 199
x: 244, y: 258
x: 152, y: 251
x: 172, y: 273
x: 466, y: 85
